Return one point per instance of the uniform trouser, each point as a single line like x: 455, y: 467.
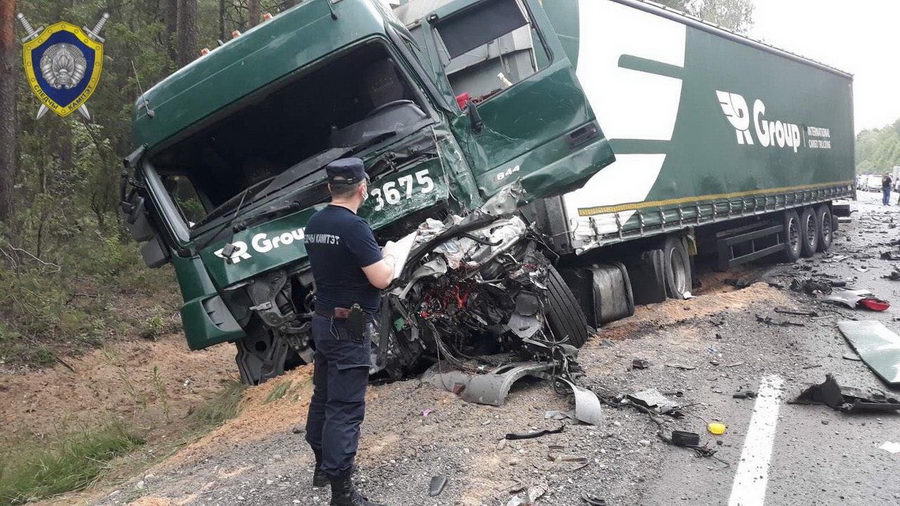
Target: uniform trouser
x: 338, y: 403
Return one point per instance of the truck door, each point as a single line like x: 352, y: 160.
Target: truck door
x: 521, y: 114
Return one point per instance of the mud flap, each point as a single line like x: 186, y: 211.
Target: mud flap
x: 493, y: 388
x: 490, y: 388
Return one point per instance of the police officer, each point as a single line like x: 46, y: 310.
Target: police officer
x: 349, y: 272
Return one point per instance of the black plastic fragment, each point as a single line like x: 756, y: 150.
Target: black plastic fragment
x: 846, y: 399
x: 684, y: 438
x: 437, y: 485
x: 532, y: 435
x: 640, y: 363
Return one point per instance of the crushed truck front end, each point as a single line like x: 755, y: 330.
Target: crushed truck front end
x: 229, y: 167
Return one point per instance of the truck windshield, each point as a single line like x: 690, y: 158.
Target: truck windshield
x: 355, y: 100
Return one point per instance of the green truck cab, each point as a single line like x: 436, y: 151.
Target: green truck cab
x: 231, y: 149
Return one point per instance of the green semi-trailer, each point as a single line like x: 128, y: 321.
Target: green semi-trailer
x: 558, y: 161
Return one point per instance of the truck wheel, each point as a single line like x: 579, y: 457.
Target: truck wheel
x: 791, y: 236
x: 564, y: 314
x: 809, y: 232
x: 826, y: 227
x: 678, y: 268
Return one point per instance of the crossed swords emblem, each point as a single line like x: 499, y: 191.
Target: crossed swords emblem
x: 93, y: 34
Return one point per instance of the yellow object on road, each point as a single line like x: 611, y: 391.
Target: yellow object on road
x: 716, y: 428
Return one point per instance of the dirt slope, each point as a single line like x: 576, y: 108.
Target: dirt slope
x: 143, y: 382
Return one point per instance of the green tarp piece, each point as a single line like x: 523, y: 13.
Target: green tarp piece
x: 877, y: 346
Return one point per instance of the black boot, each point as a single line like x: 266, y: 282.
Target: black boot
x: 320, y: 479
x: 344, y: 493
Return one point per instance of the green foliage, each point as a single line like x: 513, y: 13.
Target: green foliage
x: 279, y: 391
x: 878, y: 150
x: 95, y: 290
x: 36, y: 470
x: 736, y: 15
x: 220, y: 408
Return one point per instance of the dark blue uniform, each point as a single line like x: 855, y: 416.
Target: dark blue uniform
x: 339, y: 244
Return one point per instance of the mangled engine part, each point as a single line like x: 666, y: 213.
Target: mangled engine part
x: 474, y: 286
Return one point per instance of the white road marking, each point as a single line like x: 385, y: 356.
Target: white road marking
x: 749, y: 487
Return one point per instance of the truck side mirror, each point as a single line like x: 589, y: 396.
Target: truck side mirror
x: 474, y: 117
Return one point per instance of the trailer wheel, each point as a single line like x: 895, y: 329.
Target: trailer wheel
x: 564, y: 312
x: 791, y: 236
x: 678, y: 268
x: 809, y: 231
x: 826, y: 227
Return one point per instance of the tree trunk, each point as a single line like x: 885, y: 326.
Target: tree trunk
x: 188, y: 32
x: 170, y: 11
x: 222, y: 35
x: 8, y: 76
x: 254, y: 13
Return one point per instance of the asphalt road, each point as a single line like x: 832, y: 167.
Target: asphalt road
x: 700, y: 352
x: 815, y: 455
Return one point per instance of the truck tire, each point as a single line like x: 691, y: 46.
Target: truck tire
x: 678, y: 268
x: 791, y: 236
x: 826, y: 227
x: 809, y: 231
x: 564, y: 314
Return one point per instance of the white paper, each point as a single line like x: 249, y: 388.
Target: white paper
x: 400, y: 251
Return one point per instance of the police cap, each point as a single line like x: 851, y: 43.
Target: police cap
x: 346, y: 171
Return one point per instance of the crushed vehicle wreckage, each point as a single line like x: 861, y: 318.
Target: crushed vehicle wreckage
x: 477, y: 286
x: 479, y: 297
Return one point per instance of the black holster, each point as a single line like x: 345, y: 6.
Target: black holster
x: 356, y: 323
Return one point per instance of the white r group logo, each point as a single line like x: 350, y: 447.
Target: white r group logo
x: 261, y: 243
x: 768, y: 133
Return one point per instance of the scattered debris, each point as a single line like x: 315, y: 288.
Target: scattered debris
x: 534, y: 434
x: 426, y: 412
x: 890, y: 447
x: 717, y: 428
x: 878, y: 347
x: 794, y: 312
x: 559, y: 415
x: 857, y: 299
x: 873, y: 304
x: 744, y: 394
x: 682, y: 367
x: 587, y: 405
x: 846, y: 399
x: 852, y: 356
x: 769, y: 321
x: 592, y: 500
x: 735, y: 364
x: 532, y: 495
x: 890, y: 255
x: 811, y: 286
x: 653, y: 400
x: 640, y: 363
x: 750, y: 279
x: 684, y: 438
x: 894, y: 275
x: 437, y: 485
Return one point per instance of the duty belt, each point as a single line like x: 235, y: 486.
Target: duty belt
x: 338, y: 313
